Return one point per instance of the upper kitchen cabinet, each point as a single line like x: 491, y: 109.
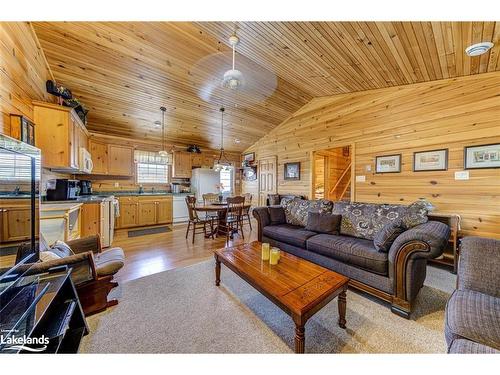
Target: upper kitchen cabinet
x: 60, y: 134
x: 196, y: 160
x: 111, y: 159
x: 99, y: 153
x: 120, y: 160
x: 181, y: 166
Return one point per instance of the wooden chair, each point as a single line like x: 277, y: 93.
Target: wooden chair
x: 209, y: 198
x: 246, y: 210
x: 196, y: 221
x: 233, y: 220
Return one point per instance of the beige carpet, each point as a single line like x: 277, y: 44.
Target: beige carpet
x: 181, y: 311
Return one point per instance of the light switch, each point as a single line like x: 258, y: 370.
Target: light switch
x: 360, y: 178
x: 117, y: 184
x: 462, y: 175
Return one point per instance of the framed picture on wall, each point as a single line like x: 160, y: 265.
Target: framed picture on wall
x: 292, y: 171
x: 434, y: 160
x: 484, y: 156
x: 388, y: 164
x: 249, y: 158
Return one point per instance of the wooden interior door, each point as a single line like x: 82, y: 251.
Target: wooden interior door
x: 268, y: 178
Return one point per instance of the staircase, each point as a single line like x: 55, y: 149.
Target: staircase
x: 341, y: 190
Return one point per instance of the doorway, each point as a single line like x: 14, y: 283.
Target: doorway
x: 332, y: 174
x: 267, y: 178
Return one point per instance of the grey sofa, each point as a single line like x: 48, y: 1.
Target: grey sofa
x: 395, y: 276
x: 472, y: 318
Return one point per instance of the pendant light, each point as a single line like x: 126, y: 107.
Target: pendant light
x: 233, y: 78
x: 222, y: 163
x: 163, y: 152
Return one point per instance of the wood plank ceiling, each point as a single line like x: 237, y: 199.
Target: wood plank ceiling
x: 124, y: 71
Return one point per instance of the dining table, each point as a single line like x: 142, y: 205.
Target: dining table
x: 220, y: 209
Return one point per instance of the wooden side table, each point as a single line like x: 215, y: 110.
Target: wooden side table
x: 450, y: 255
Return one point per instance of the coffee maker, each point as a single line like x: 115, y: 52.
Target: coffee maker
x: 60, y: 189
x: 85, y: 187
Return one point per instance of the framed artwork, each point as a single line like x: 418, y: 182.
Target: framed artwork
x: 250, y: 157
x: 484, y: 156
x: 388, y: 164
x: 292, y: 171
x: 434, y: 160
x: 250, y: 173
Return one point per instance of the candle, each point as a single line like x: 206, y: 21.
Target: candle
x: 274, y: 256
x: 265, y: 251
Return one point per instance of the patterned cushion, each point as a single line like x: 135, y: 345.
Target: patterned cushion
x: 109, y: 261
x: 474, y: 316
x: 388, y: 234
x: 296, y: 210
x: 61, y: 249
x: 287, y: 233
x: 354, y: 251
x: 364, y: 220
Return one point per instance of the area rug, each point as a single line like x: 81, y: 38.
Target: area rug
x: 182, y: 311
x: 143, y: 232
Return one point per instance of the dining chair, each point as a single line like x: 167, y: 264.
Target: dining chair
x: 233, y: 220
x: 246, y: 210
x: 196, y: 221
x: 209, y: 198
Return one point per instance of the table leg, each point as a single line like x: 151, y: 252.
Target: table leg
x: 300, y: 339
x: 342, y: 308
x: 217, y: 271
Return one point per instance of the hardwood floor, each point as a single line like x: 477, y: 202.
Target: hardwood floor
x: 153, y: 253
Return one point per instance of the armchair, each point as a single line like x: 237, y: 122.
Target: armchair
x: 472, y: 316
x: 92, y: 274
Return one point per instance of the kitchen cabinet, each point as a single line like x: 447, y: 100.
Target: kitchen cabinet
x: 111, y: 159
x: 129, y: 212
x: 60, y: 134
x: 15, y: 222
x: 140, y: 211
x: 120, y: 160
x: 147, y: 212
x: 92, y: 218
x: 164, y: 211
x: 208, y: 161
x: 99, y: 152
x: 181, y: 166
x: 196, y: 160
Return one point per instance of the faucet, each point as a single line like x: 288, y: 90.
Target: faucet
x: 17, y: 190
x: 141, y: 189
x: 152, y: 190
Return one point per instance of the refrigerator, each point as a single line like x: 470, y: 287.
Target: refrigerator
x: 203, y: 180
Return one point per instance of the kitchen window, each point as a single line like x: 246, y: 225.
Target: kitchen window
x: 151, y: 168
x: 226, y: 179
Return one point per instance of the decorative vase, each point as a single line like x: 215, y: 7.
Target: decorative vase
x: 220, y: 198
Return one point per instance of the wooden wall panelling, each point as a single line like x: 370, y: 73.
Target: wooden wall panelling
x: 450, y: 113
x: 23, y: 72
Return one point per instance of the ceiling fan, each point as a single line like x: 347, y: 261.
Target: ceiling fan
x: 222, y: 79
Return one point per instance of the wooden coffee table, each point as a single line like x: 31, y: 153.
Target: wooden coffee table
x: 299, y: 287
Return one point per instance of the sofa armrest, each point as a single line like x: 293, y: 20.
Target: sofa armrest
x: 433, y: 234
x: 263, y: 219
x: 479, y: 265
x: 82, y: 264
x: 82, y: 245
x: 407, y: 259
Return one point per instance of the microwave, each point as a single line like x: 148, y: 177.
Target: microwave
x: 86, y: 164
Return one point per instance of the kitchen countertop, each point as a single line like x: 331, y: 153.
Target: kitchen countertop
x: 99, y: 197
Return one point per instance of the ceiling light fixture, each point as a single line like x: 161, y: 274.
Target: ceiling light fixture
x: 233, y: 78
x: 163, y: 152
x: 222, y: 163
x: 478, y: 49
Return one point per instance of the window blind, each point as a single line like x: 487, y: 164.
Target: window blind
x: 16, y: 167
x: 151, y: 168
